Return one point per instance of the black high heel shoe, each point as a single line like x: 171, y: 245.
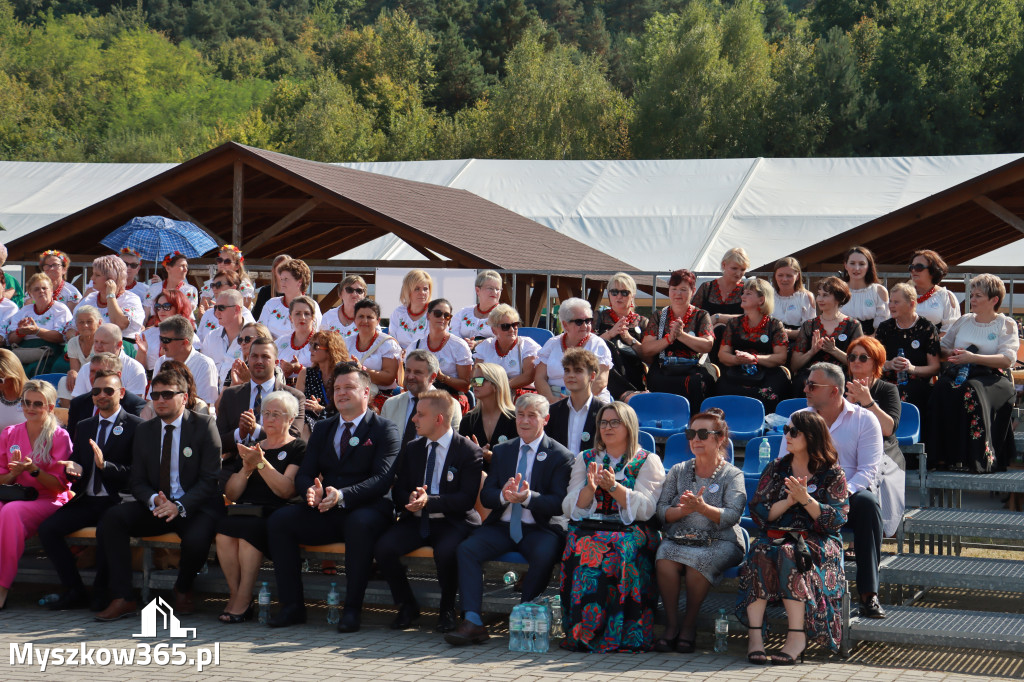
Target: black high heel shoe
x: 750, y: 655
x: 782, y: 658
x: 233, y: 618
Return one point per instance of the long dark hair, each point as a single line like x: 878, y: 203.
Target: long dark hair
x: 821, y: 451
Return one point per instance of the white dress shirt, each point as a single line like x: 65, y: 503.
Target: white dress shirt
x: 204, y: 373
x: 176, y: 492
x: 577, y: 424
x: 133, y: 376
x: 95, y: 471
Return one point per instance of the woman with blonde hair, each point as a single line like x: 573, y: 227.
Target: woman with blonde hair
x: 116, y: 304
x: 12, y: 381
x: 36, y: 332
x: 911, y: 346
x: 794, y: 304
x: 470, y: 324
x: 493, y: 420
x: 409, y: 319
x: 506, y: 348
x: 623, y: 329
x: 721, y: 296
x: 32, y: 455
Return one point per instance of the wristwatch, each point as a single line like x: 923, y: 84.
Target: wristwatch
x: 181, y: 508
x: 615, y: 484
x: 260, y: 465
x: 35, y: 473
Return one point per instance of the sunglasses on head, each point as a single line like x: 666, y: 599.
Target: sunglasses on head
x: 917, y: 267
x: 441, y: 314
x: 353, y: 290
x: 862, y: 357
x: 477, y: 381
x: 225, y: 261
x: 164, y: 395
x: 790, y: 430
x: 105, y: 390
x: 505, y: 326
x: 37, y: 404
x: 582, y: 321
x: 220, y: 307
x: 169, y: 339
x: 701, y: 434
x: 163, y: 306
x: 618, y: 292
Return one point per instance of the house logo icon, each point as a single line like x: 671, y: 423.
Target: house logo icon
x: 158, y: 611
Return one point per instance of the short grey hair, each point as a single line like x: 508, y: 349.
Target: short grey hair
x: 533, y: 401
x: 424, y: 355
x: 177, y: 325
x: 107, y: 360
x: 89, y: 310
x: 486, y: 276
x: 113, y: 330
x: 833, y: 374
x: 232, y: 296
x: 565, y: 310
x: 286, y: 400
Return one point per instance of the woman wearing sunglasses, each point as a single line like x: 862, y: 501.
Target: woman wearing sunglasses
x: 699, y: 508
x: 175, y: 266
x: 935, y: 303
x: 911, y: 346
x: 167, y: 304
x: 866, y: 388
x: 622, y: 329
x: 515, y: 354
x: 221, y: 282
x: 229, y: 259
x: 869, y: 301
x: 342, y: 319
x: 54, y: 264
x: 493, y: 419
x: 33, y: 454
x: 801, y: 501
x: 471, y: 323
x: 453, y: 354
x: 133, y: 264
x: 239, y: 371
x: 326, y: 349
x: 115, y: 303
x: 577, y: 318
x: 607, y: 579
x: 378, y: 354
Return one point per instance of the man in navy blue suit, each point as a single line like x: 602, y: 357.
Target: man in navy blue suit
x: 347, y: 472
x: 528, y: 480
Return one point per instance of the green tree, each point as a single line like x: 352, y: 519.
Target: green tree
x: 460, y: 75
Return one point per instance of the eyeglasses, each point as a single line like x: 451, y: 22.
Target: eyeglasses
x: 701, y: 434
x: 315, y: 346
x: 220, y: 307
x: 790, y: 430
x: 619, y: 292
x: 274, y: 414
x: 477, y: 382
x: 225, y: 261
x: 50, y: 266
x: 169, y: 339
x: 441, y: 315
x: 218, y: 285
x: 917, y: 267
x: 247, y: 339
x: 105, y: 390
x: 505, y: 326
x: 580, y: 322
x: 353, y: 290
x: 493, y: 290
x: 163, y: 306
x: 164, y: 395
x: 811, y: 385
x: 132, y: 266
x: 858, y: 358
x: 37, y: 404
x: 609, y: 423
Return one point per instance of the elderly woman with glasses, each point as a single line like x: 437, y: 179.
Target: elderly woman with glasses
x: 577, y: 318
x: 115, y: 303
x: 607, y: 586
x: 935, y: 303
x: 263, y: 481
x: 342, y: 319
x: 471, y: 323
x: 54, y: 264
x: 453, y: 355
x: 315, y: 381
x: 515, y: 354
x: 700, y: 507
x: 623, y: 329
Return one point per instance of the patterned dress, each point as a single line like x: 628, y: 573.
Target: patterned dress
x: 768, y: 384
x: 607, y: 581
x: 666, y: 373
x: 770, y: 570
x: 315, y: 389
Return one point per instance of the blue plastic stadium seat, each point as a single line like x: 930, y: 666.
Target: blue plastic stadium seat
x: 677, y: 449
x: 745, y: 416
x: 52, y: 379
x: 735, y: 570
x: 538, y: 334
x: 786, y: 408
x: 661, y: 414
x: 646, y: 441
x: 909, y: 430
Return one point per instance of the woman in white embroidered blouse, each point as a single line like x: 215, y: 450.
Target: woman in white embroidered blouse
x: 471, y: 323
x: 453, y: 354
x: 935, y: 303
x: 176, y: 267
x: 514, y: 353
x: 577, y: 318
x: 409, y: 319
x: 794, y: 304
x: 378, y: 354
x: 293, y: 351
x: 293, y: 279
x: 342, y: 319
x: 54, y: 264
x: 869, y: 301
x: 116, y: 305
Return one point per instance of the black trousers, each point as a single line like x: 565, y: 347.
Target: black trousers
x: 405, y: 537
x: 541, y: 545
x: 298, y: 525
x: 81, y: 512
x: 134, y: 519
x: 865, y: 520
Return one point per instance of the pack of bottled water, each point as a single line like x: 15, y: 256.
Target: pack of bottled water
x: 529, y: 628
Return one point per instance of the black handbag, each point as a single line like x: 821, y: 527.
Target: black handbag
x: 801, y: 555
x: 15, y: 492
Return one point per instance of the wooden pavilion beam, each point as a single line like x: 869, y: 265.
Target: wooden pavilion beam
x: 1001, y: 212
x: 237, y: 192
x: 182, y: 214
x: 281, y: 225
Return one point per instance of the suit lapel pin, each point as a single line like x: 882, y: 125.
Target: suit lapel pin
x: 118, y: 430
x: 451, y: 475
x: 502, y: 439
x: 353, y: 441
x: 541, y: 456
x: 187, y: 452
x: 585, y: 435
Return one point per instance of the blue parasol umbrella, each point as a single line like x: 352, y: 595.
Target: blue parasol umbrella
x: 153, y: 237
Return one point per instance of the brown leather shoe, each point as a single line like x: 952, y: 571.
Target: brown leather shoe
x: 467, y: 633
x: 119, y: 608
x: 184, y: 604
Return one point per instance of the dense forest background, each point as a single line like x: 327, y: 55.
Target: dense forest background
x: 373, y: 80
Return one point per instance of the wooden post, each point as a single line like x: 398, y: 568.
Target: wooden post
x: 236, y: 204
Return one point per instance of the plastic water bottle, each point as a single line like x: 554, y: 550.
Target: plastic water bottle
x: 264, y: 604
x: 529, y: 627
x: 333, y: 599
x: 510, y: 578
x: 764, y: 454
x: 750, y: 368
x: 961, y: 375
x: 902, y: 376
x: 721, y: 632
x: 515, y: 629
x: 556, y: 618
x: 49, y: 599
x: 542, y: 629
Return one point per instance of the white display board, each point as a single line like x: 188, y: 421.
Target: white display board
x: 455, y: 285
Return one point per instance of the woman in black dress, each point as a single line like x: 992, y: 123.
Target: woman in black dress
x: 827, y: 336
x: 918, y: 339
x: 264, y: 480
x: 622, y: 329
x: 492, y: 420
x: 754, y: 350
x: 721, y: 297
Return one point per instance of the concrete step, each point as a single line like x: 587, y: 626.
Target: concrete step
x: 942, y: 627
x: 931, y: 570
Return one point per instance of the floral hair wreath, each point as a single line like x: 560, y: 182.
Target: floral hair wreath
x: 234, y: 249
x: 129, y: 251
x: 171, y: 257
x: 59, y: 254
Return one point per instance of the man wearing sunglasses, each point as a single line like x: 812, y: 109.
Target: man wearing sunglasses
x: 573, y: 421
x: 98, y: 470
x: 211, y: 321
x: 221, y: 343
x: 176, y: 334
x: 108, y: 340
x: 83, y: 406
x: 175, y: 462
x: 858, y: 439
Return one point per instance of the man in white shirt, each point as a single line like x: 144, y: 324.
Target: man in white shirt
x: 221, y: 343
x: 108, y: 340
x: 858, y: 439
x: 176, y: 344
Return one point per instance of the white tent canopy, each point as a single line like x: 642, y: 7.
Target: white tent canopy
x: 656, y: 215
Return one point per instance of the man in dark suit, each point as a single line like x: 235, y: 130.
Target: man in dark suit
x: 99, y: 467
x: 175, y: 461
x: 529, y: 479
x: 435, y: 491
x: 573, y: 420
x: 83, y: 407
x: 354, y: 453
x: 238, y: 413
